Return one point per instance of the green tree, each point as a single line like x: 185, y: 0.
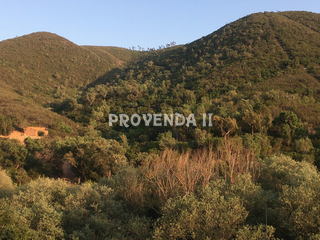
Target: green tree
x: 226, y: 125
x: 303, y: 145
x: 299, y: 209
x: 92, y: 157
x: 280, y: 170
x: 5, y: 180
x: 256, y: 232
x: 252, y: 119
x: 13, y: 158
x: 288, y: 126
x: 34, y: 211
x: 210, y: 215
x: 297, y: 186
x: 93, y: 212
x: 166, y: 140
x: 6, y: 125
x: 6, y: 184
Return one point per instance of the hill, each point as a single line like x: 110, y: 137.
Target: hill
x: 250, y: 70
x: 18, y: 112
x: 257, y: 75
x: 250, y: 92
x: 255, y: 48
x: 41, y: 68
x: 42, y: 65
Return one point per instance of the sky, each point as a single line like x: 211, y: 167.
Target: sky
x: 127, y: 23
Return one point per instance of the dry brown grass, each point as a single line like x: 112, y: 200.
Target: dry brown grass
x: 170, y: 173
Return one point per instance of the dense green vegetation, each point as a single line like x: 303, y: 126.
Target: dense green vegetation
x: 253, y: 174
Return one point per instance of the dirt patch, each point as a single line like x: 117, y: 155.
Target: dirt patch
x: 32, y: 132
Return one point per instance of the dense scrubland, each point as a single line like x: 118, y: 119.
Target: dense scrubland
x: 253, y: 174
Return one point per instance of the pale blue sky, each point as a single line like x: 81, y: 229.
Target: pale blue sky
x: 124, y: 23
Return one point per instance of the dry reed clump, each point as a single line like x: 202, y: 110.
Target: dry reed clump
x: 171, y: 173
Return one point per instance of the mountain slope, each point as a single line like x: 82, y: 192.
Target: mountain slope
x: 265, y: 58
x: 257, y: 47
x: 116, y: 56
x: 257, y: 80
x: 27, y: 112
x: 40, y: 68
x: 42, y: 64
x: 256, y: 53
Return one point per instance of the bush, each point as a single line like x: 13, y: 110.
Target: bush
x: 6, y: 185
x: 5, y: 181
x: 210, y: 215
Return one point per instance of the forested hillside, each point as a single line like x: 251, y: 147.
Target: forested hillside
x: 39, y: 69
x: 252, y: 174
x: 261, y: 72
